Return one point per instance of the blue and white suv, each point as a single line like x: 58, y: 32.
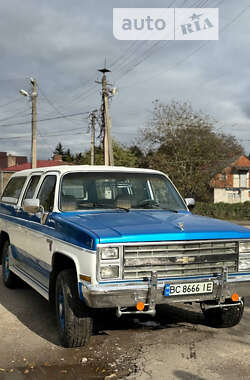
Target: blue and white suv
x: 89, y: 237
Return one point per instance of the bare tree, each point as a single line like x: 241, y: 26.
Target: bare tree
x: 185, y: 144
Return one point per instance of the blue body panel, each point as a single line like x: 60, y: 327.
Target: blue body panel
x: 89, y: 228
x: 148, y: 225
x: 86, y: 229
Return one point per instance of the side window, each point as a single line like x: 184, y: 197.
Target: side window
x: 13, y: 190
x: 46, y: 193
x: 30, y: 190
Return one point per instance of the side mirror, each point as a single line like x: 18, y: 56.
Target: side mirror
x: 190, y: 202
x: 31, y: 205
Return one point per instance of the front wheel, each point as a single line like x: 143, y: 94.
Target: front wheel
x: 224, y: 317
x: 10, y: 280
x: 73, y: 317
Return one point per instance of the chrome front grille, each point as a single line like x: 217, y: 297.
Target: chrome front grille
x: 179, y: 259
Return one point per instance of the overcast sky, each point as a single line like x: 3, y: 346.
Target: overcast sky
x: 63, y: 43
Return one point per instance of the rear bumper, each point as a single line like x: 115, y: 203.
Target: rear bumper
x: 127, y: 294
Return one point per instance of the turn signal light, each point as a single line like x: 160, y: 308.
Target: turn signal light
x: 140, y: 306
x: 235, y: 297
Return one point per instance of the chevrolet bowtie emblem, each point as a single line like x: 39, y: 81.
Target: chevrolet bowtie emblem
x: 181, y: 226
x: 185, y: 260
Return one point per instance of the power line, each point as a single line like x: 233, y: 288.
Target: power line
x: 25, y: 112
x: 149, y: 51
x: 193, y: 52
x: 46, y: 119
x: 53, y: 105
x: 79, y: 131
x: 10, y: 102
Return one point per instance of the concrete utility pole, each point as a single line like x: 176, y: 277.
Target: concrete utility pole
x: 34, y: 118
x: 107, y: 142
x: 33, y: 97
x: 92, y: 117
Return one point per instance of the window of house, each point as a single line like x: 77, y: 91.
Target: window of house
x: 243, y: 180
x: 236, y: 180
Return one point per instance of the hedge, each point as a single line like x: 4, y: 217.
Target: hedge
x: 235, y: 211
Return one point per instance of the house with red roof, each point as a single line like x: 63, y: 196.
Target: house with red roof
x: 7, y: 172
x: 232, y: 185
x: 8, y: 159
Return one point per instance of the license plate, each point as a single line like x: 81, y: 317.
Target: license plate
x: 188, y: 288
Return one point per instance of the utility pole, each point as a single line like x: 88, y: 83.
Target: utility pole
x: 33, y: 96
x: 34, y: 118
x: 107, y: 141
x: 92, y: 117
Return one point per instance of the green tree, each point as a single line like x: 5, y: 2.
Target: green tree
x: 59, y: 149
x: 65, y: 153
x: 123, y: 156
x: 184, y: 144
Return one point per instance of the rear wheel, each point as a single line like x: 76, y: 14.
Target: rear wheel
x: 224, y: 317
x: 10, y: 280
x: 73, y: 317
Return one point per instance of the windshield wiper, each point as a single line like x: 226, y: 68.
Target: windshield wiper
x: 170, y: 209
x: 147, y: 203
x: 121, y: 208
x: 150, y: 203
x: 111, y: 207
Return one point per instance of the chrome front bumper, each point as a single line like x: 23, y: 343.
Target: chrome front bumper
x: 151, y: 292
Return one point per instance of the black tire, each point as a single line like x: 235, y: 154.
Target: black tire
x: 224, y: 317
x: 73, y: 317
x: 10, y: 280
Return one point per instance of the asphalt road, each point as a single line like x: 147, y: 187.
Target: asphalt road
x: 175, y: 345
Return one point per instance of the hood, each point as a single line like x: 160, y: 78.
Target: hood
x: 151, y: 225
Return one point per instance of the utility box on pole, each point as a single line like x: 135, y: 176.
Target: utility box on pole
x: 92, y: 117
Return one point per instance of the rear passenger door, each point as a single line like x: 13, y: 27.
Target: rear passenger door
x: 21, y: 251
x: 38, y: 234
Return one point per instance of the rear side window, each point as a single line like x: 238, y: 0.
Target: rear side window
x: 13, y: 190
x: 30, y: 190
x: 46, y: 193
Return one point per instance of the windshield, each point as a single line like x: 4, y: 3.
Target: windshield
x: 99, y: 190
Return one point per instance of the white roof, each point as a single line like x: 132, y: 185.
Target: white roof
x: 85, y: 168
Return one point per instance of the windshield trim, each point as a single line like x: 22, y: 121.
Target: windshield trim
x: 153, y: 173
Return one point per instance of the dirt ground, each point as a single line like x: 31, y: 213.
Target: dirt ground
x: 175, y: 345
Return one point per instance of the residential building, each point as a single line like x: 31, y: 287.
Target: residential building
x: 7, y: 160
x: 232, y: 185
x: 7, y: 172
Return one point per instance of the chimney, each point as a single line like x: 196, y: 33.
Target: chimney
x: 57, y: 157
x: 11, y: 160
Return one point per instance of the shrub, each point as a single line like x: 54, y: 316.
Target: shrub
x: 235, y: 211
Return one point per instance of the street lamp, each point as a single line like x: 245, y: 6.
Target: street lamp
x: 33, y: 97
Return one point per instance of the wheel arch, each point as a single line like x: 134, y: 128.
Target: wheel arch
x: 60, y: 261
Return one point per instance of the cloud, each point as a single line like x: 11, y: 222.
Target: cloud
x: 63, y: 44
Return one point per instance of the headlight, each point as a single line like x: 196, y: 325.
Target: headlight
x: 109, y: 271
x: 244, y: 262
x: 244, y: 256
x: 245, y: 247
x: 109, y: 253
